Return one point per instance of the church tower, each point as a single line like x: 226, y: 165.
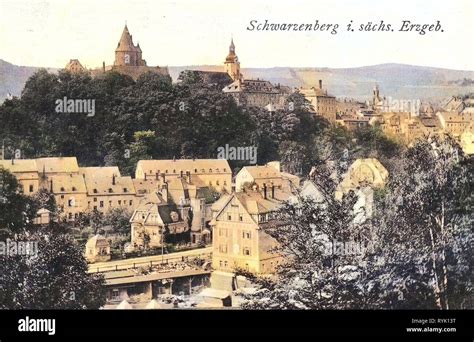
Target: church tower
x: 127, y: 54
x: 232, y: 64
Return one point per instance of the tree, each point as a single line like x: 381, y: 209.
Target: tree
x: 318, y: 272
x: 54, y: 278
x: 427, y: 214
x: 16, y: 210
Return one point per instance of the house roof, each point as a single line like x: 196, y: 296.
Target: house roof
x: 19, y: 165
x: 100, y: 181
x: 57, y: 164
x: 176, y: 166
x: 67, y: 183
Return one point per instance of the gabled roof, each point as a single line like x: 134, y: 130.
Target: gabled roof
x: 57, y: 164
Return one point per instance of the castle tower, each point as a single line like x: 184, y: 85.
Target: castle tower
x: 232, y: 64
x: 127, y: 54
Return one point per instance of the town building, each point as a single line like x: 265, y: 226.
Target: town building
x: 269, y: 174
x: 239, y: 238
x: 151, y: 222
x: 107, y: 189
x: 323, y: 104
x: 212, y: 173
x: 97, y: 249
x: 25, y: 171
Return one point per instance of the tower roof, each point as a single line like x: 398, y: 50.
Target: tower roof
x: 231, y: 57
x: 126, y: 42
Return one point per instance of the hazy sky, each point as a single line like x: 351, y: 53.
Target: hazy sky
x: 189, y: 32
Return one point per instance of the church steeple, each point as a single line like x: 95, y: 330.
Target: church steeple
x: 232, y: 64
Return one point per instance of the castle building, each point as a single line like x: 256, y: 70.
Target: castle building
x: 126, y: 53
x: 129, y: 60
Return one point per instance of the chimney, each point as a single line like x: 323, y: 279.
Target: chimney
x: 320, y: 84
x: 113, y: 179
x: 264, y: 190
x: 273, y: 191
x: 51, y: 186
x: 164, y: 191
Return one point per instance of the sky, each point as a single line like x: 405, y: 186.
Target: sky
x: 48, y: 33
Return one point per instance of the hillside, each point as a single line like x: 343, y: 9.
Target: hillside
x: 396, y: 80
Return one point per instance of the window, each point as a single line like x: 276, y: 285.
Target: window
x: 62, y: 196
x: 101, y: 204
x: 125, y: 190
x: 31, y: 188
x: 70, y: 216
x: 119, y: 202
x: 95, y: 207
x: 217, y: 183
x: 210, y: 170
x: 195, y: 170
x: 241, y: 217
x: 70, y: 202
x: 223, y: 248
x: 246, y: 234
x: 95, y: 199
x: 115, y: 294
x: 88, y: 204
x: 110, y: 203
x: 95, y: 191
x: 62, y: 189
x: 229, y: 217
x: 130, y: 203
x: 73, y: 188
x: 262, y: 218
x: 110, y: 190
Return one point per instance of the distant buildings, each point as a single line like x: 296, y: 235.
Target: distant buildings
x: 128, y: 60
x: 323, y: 104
